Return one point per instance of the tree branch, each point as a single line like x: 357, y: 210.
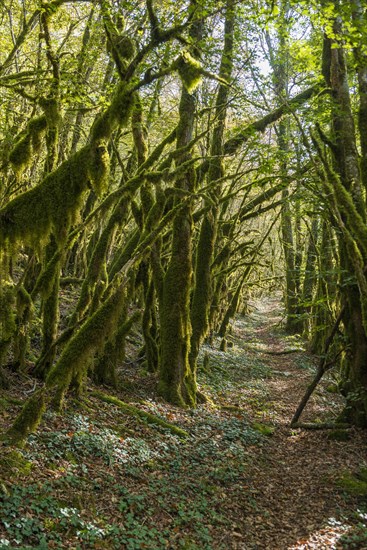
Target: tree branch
x: 260, y: 125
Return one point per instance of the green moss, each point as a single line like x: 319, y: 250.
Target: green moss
x: 79, y: 353
x: 12, y: 463
x: 46, y: 278
x: 24, y: 317
x: 177, y: 381
x: 28, y: 144
x: 96, y: 279
x: 28, y: 419
x: 37, y: 125
x: 50, y: 312
x: 114, y: 351
x: 202, y: 292
x: 156, y: 210
x: 143, y: 415
x: 190, y: 71
x: 99, y: 166
x: 117, y: 114
x: 223, y: 345
x: 263, y: 429
x: 21, y: 154
x: 53, y: 205
x: 126, y: 47
x: 24, y: 300
x: 355, y: 221
x: 332, y: 388
x: 126, y: 253
x: 50, y: 106
x: 7, y: 319
x: 354, y: 484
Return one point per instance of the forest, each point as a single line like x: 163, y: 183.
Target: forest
x: 183, y: 274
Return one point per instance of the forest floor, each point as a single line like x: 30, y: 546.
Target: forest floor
x: 96, y: 477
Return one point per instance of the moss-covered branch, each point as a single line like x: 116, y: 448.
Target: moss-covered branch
x: 138, y: 413
x: 56, y: 201
x: 260, y: 125
x: 79, y: 353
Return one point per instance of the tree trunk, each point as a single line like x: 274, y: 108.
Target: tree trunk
x: 351, y: 205
x: 202, y: 294
x: 177, y: 380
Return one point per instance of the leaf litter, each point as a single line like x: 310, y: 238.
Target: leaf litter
x: 97, y: 478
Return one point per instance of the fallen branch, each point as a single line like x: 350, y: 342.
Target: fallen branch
x: 321, y: 426
x: 138, y: 413
x: 321, y: 369
x: 270, y: 352
x: 284, y: 352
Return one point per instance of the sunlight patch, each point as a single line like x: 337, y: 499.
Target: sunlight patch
x: 327, y: 537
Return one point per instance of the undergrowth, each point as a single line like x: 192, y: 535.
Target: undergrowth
x: 96, y: 477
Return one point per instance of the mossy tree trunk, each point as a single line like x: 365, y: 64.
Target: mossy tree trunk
x: 177, y: 378
x: 350, y: 204
x: 322, y: 311
x: 52, y: 110
x: 203, y: 291
x: 291, y: 295
x: 177, y: 381
x: 50, y: 314
x: 279, y: 63
x: 149, y: 325
x: 310, y: 277
x: 359, y: 19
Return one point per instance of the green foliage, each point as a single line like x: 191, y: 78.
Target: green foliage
x: 84, y: 440
x: 31, y: 516
x: 354, y: 483
x: 356, y: 537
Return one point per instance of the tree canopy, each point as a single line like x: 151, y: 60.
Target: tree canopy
x: 163, y: 162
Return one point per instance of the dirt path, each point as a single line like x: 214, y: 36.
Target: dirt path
x: 296, y: 504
